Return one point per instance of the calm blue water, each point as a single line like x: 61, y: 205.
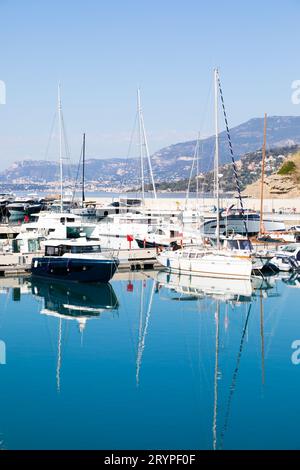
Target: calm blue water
x: 149, y: 365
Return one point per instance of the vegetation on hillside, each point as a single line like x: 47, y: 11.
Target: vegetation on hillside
x: 287, y: 168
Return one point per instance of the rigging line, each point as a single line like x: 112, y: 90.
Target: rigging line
x: 129, y: 150
x: 234, y: 378
x: 232, y: 156
x: 77, y: 174
x: 148, y: 154
x: 67, y: 157
x: 191, y: 172
x: 52, y: 128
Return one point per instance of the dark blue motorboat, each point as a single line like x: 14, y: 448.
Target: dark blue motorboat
x: 75, y: 260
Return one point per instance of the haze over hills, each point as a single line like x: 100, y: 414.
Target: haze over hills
x: 170, y: 164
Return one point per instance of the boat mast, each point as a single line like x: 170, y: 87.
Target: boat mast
x: 261, y: 224
x: 83, y: 169
x: 141, y: 143
x: 197, y: 169
x: 144, y: 146
x: 60, y: 147
x: 216, y: 73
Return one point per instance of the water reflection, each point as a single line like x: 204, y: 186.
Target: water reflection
x: 72, y: 301
x: 200, y: 346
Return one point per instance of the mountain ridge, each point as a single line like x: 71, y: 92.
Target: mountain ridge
x: 170, y: 164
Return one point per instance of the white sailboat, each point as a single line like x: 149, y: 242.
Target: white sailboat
x: 203, y: 261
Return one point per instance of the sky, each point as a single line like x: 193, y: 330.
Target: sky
x: 101, y: 51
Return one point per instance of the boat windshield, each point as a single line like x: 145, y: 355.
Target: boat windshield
x: 288, y: 248
x: 245, y: 245
x: 239, y: 245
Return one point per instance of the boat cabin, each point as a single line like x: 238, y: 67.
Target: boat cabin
x: 61, y: 248
x: 238, y: 244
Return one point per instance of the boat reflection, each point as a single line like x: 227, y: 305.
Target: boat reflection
x: 74, y: 301
x: 194, y: 287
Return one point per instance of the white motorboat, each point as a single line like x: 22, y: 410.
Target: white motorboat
x: 287, y: 258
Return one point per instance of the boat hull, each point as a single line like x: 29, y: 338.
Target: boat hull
x: 209, y: 266
x: 72, y: 269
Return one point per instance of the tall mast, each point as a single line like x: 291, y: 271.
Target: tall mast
x: 60, y: 147
x: 197, y: 169
x: 83, y: 168
x: 141, y: 143
x: 261, y: 224
x: 216, y: 73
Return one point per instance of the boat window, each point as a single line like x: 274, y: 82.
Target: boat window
x: 233, y: 244
x: 245, y: 245
x: 193, y: 255
x: 73, y: 232
x: 86, y: 249
x: 289, y: 249
x: 51, y: 250
x: 70, y: 219
x: 62, y: 220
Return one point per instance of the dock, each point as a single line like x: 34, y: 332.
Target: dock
x: 17, y: 270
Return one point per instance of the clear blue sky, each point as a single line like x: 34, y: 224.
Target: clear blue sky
x: 100, y: 51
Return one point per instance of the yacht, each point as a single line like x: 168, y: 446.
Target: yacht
x: 233, y: 221
x: 199, y: 261
x: 22, y: 207
x: 5, y: 199
x: 74, y: 260
x: 50, y: 225
x: 287, y: 258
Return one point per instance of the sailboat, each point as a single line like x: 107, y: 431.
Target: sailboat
x: 202, y: 261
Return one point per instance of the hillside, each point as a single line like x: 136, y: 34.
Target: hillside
x: 284, y: 183
x: 171, y: 164
x: 249, y: 171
